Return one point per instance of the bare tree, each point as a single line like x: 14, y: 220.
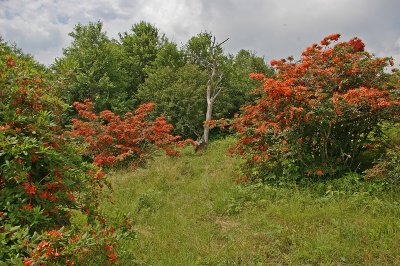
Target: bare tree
x: 214, y: 88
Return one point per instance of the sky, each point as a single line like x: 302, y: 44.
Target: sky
x: 272, y: 28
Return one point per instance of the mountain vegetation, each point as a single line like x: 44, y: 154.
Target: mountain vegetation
x: 138, y: 151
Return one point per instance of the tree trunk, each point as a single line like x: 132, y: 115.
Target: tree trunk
x: 210, y: 100
x: 213, y: 89
x: 208, y: 118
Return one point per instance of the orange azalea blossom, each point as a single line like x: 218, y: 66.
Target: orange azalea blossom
x: 112, y: 258
x: 4, y: 127
x: 29, y: 188
x: 28, y: 207
x: 69, y: 263
x: 54, y: 234
x: 28, y: 261
x: 257, y: 76
x: 35, y: 158
x: 10, y: 61
x: 75, y: 238
x: 45, y: 194
x: 357, y: 44
x: 99, y: 175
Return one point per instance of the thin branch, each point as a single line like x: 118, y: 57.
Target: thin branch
x: 221, y: 43
x: 216, y: 94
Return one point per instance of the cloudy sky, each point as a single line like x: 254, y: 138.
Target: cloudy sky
x: 272, y: 28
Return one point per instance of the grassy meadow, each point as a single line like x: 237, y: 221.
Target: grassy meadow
x: 190, y: 211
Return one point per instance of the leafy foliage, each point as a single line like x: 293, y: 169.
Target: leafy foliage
x: 91, y: 67
x: 140, y: 48
x: 316, y: 115
x: 179, y: 94
x: 239, y: 84
x: 177, y: 82
x: 119, y: 75
x: 42, y: 174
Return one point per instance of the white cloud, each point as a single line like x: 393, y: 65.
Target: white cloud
x: 272, y: 28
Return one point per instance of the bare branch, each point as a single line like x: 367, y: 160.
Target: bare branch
x: 221, y: 43
x: 219, y: 89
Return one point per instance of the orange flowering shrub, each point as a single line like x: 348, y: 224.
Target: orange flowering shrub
x: 110, y: 138
x: 76, y: 246
x: 316, y: 115
x: 43, y: 177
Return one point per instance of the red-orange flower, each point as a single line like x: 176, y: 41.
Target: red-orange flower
x: 29, y: 188
x: 357, y: 44
x: 112, y: 258
x: 28, y: 207
x: 10, y: 61
x: 28, y: 261
x: 54, y: 234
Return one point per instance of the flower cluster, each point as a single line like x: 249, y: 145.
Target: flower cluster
x: 314, y: 117
x: 110, y: 139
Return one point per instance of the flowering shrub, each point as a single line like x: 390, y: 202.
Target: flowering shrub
x: 42, y: 174
x: 87, y: 245
x: 110, y: 138
x: 315, y: 117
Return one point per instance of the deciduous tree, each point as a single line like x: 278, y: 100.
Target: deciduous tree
x: 91, y: 68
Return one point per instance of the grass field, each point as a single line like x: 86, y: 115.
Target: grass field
x: 189, y: 211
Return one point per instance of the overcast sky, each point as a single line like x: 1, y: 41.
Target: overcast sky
x: 272, y: 28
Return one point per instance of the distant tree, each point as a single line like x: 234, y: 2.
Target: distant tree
x: 239, y: 84
x: 179, y: 94
x: 197, y: 50
x: 204, y: 51
x: 91, y: 68
x: 167, y: 56
x: 178, y: 81
x: 140, y: 48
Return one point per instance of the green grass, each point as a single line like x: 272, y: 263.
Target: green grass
x: 189, y: 211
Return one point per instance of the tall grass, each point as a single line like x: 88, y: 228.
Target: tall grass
x: 190, y: 211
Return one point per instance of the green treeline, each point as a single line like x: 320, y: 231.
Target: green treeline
x: 143, y: 65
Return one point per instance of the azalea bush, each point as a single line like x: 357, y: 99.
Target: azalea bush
x: 111, y: 139
x: 318, y: 115
x: 43, y: 176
